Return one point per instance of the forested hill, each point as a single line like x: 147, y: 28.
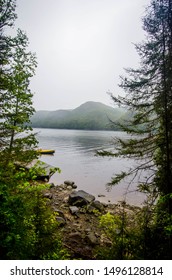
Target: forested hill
x: 90, y: 115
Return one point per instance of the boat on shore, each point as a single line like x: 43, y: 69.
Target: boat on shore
x: 46, y: 151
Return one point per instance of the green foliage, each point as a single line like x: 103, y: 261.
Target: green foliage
x: 149, y: 100
x: 17, y: 104
x: 17, y: 68
x: 123, y: 237
x: 131, y: 235
x: 28, y: 228
x: 45, y: 234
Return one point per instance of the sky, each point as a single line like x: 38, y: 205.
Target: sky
x: 82, y: 48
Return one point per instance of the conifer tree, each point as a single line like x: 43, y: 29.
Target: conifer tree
x: 149, y: 101
x: 149, y: 98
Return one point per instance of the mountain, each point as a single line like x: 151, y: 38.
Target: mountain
x: 90, y: 115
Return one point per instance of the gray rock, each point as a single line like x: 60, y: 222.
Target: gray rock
x: 91, y: 238
x: 69, y: 188
x: 60, y: 212
x: 74, y: 209
x: 66, y: 199
x: 88, y: 230
x: 80, y: 198
x: 75, y: 236
x: 101, y: 195
x: 74, y: 186
x: 97, y: 205
x: 48, y: 195
x: 60, y: 220
x: 69, y: 183
x: 104, y: 204
x: 90, y: 209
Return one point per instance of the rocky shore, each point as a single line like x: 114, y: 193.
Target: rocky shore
x: 78, y: 215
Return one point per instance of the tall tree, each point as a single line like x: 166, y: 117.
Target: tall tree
x: 28, y: 228
x: 149, y: 99
x: 17, y: 67
x: 7, y: 17
x: 17, y: 103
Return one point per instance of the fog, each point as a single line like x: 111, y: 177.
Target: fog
x: 82, y: 48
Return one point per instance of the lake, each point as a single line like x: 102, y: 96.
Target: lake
x: 75, y: 156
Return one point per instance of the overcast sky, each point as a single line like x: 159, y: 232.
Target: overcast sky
x: 82, y: 47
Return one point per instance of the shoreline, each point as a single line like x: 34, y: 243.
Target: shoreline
x: 78, y: 214
x: 104, y: 196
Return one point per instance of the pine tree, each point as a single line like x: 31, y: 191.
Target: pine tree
x: 149, y: 98
x: 149, y: 101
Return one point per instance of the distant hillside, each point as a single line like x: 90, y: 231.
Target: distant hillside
x: 90, y: 115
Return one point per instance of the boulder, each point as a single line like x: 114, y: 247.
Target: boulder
x: 97, y: 205
x: 69, y: 183
x: 74, y: 210
x: 80, y: 198
x: 90, y: 209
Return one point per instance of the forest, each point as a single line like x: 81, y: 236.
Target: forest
x: 29, y: 227
x: 89, y: 116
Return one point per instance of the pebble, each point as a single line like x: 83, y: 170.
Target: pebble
x: 101, y: 195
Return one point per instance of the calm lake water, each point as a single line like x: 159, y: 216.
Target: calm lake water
x: 75, y: 155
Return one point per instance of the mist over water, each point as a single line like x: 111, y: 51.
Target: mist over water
x: 75, y: 155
